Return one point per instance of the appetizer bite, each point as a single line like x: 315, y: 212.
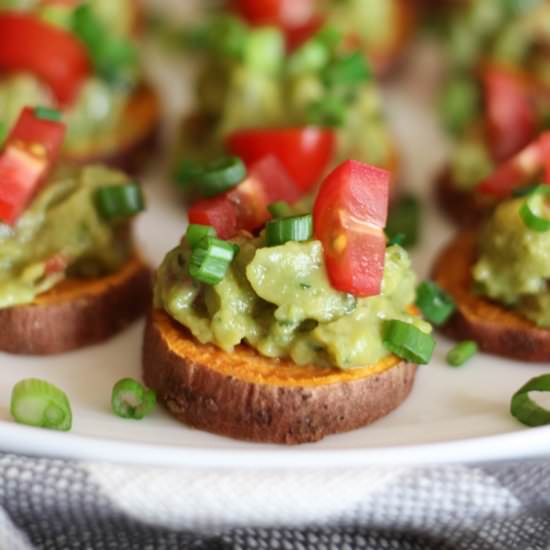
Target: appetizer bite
x: 319, y: 103
x: 380, y: 28
x: 303, y: 330
x: 498, y: 279
x: 69, y: 272
x: 80, y: 57
x: 497, y: 98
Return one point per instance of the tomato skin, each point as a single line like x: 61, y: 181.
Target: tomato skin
x: 349, y: 215
x: 52, y: 54
x: 305, y: 152
x: 512, y: 120
x: 282, y: 13
x: 520, y: 169
x: 245, y: 206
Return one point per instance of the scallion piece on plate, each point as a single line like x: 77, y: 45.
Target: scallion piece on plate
x: 462, y: 353
x: 404, y: 217
x: 210, y: 260
x: 434, y: 303
x: 279, y: 209
x: 118, y: 202
x: 130, y: 399
x: 350, y: 69
x: 46, y: 113
x: 283, y: 230
x: 535, y: 211
x: 221, y: 175
x: 525, y: 409
x: 38, y: 403
x: 195, y: 233
x: 408, y: 342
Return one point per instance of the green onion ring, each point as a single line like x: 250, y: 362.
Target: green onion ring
x: 525, y: 409
x: 528, y: 211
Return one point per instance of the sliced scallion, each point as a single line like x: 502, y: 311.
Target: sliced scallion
x: 283, y: 230
x: 38, y: 403
x: 348, y: 70
x: 195, y: 233
x: 462, y: 353
x: 330, y: 111
x: 408, y: 342
x: 221, y: 175
x: 210, y: 260
x: 279, y: 209
x: 118, y: 202
x: 434, y: 303
x: 525, y: 409
x: 46, y: 113
x: 404, y: 217
x: 130, y: 399
x: 535, y: 211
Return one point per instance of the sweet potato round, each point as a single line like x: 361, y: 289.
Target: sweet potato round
x: 497, y: 330
x: 134, y: 140
x: 464, y: 208
x: 246, y: 396
x: 77, y: 312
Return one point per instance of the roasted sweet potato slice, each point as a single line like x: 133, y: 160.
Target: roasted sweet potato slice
x: 497, y: 330
x: 246, y: 396
x: 77, y: 312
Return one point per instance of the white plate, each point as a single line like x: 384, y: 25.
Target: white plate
x: 452, y: 414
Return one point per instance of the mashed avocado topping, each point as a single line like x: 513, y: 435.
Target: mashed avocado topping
x: 514, y: 264
x: 61, y: 222
x: 101, y: 101
x: 279, y: 301
x: 250, y: 82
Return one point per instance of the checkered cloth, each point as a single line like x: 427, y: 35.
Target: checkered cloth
x: 54, y: 504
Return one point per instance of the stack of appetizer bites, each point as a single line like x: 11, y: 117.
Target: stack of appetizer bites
x: 69, y: 273
x: 305, y: 328
x: 497, y: 99
x: 311, y: 106
x: 81, y: 58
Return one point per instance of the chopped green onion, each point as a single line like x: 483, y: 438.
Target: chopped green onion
x: 397, y: 239
x: 283, y: 230
x: 227, y: 36
x: 434, y: 303
x: 195, y: 233
x: 130, y: 399
x: 525, y: 409
x: 331, y: 111
x: 279, y: 209
x: 462, y: 353
x: 118, y: 202
x: 187, y: 173
x: 408, y: 342
x: 221, y: 175
x: 350, y: 69
x: 45, y: 113
x: 535, y: 211
x: 330, y: 37
x: 404, y: 217
x: 210, y: 260
x: 38, y: 403
x: 524, y: 191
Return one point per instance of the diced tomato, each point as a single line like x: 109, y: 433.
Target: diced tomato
x: 56, y: 264
x: 20, y: 172
x: 245, y: 206
x: 218, y: 212
x: 54, y: 55
x: 520, y: 169
x: 282, y: 13
x: 305, y: 152
x: 349, y: 216
x: 512, y: 120
x: 31, y: 130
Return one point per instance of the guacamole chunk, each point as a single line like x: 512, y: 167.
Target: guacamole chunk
x: 279, y: 301
x: 514, y: 264
x: 101, y: 102
x: 61, y: 222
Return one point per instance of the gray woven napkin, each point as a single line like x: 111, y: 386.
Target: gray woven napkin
x: 55, y: 504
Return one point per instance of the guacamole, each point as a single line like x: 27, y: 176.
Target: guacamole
x: 249, y: 81
x: 279, y: 301
x: 62, y: 221
x: 514, y: 264
x: 101, y: 101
